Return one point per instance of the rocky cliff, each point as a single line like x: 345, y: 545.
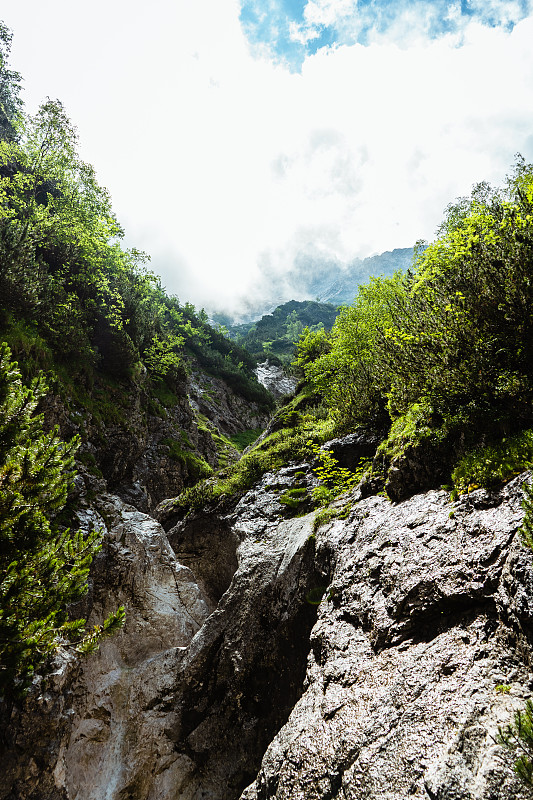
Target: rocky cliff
x: 146, y: 451
x: 373, y: 659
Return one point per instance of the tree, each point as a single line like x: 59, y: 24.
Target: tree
x: 10, y: 102
x: 294, y: 326
x: 43, y: 566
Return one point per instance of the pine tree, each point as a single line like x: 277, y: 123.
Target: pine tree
x: 518, y: 738
x: 43, y: 567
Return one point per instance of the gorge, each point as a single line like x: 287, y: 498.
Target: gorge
x: 299, y: 571
x: 234, y: 678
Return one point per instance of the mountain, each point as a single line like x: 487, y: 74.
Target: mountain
x: 314, y: 278
x: 331, y: 282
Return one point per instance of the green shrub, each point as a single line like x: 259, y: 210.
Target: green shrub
x: 334, y: 479
x: 43, y: 567
x: 494, y: 463
x: 196, y: 466
x: 518, y: 738
x: 244, y: 439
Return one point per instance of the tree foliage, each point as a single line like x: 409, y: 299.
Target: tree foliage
x: 43, y: 567
x: 64, y: 272
x: 455, y: 331
x: 10, y: 102
x: 277, y: 333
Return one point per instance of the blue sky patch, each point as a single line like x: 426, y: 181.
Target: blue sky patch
x: 291, y: 30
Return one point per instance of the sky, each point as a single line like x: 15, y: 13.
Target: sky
x: 240, y: 137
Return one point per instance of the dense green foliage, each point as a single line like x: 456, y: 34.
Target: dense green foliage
x: 10, y: 102
x: 43, y: 566
x: 437, y: 359
x: 91, y: 315
x: 443, y: 352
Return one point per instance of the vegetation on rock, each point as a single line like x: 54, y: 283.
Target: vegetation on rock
x: 442, y: 353
x: 94, y: 319
x: 43, y: 565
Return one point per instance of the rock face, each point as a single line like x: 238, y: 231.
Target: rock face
x: 81, y: 728
x: 275, y: 380
x: 147, y: 453
x: 228, y: 411
x: 229, y: 681
x: 421, y: 649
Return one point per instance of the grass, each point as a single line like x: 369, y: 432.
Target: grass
x: 273, y: 453
x: 294, y: 499
x: 196, y: 466
x: 244, y: 439
x: 166, y: 397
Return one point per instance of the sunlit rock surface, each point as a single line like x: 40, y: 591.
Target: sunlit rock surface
x: 419, y: 653
x: 228, y: 681
x: 275, y: 380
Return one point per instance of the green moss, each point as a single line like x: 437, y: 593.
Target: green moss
x: 244, y: 439
x: 271, y: 454
x: 185, y: 439
x: 323, y: 516
x: 89, y: 461
x: 162, y: 393
x: 294, y: 499
x: 196, y: 466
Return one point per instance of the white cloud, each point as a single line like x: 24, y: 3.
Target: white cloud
x: 224, y: 166
x: 328, y: 12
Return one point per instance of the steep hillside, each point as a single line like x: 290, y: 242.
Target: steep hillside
x: 99, y: 369
x: 128, y: 367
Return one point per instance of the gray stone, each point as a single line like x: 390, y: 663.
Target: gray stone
x: 409, y: 646
x: 390, y: 689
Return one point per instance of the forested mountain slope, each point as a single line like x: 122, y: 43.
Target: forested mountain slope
x: 99, y: 369
x: 275, y: 334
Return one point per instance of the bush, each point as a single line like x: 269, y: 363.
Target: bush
x: 455, y: 333
x: 43, y: 567
x: 495, y: 463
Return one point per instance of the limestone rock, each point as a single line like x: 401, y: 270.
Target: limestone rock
x: 275, y: 380
x: 89, y: 728
x: 393, y: 687
x: 409, y: 655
